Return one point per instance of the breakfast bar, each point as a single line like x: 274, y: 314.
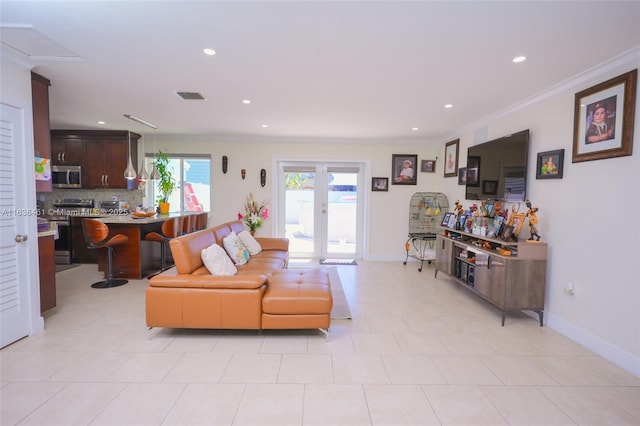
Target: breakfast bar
x: 138, y: 258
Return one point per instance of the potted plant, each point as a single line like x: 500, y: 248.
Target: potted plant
x: 166, y: 184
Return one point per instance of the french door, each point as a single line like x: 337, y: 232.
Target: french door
x: 321, y: 205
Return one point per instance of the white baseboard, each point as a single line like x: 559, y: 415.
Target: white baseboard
x: 595, y: 344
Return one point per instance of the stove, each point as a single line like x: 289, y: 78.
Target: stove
x: 62, y: 210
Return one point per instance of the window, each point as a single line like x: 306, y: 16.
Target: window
x: 193, y: 177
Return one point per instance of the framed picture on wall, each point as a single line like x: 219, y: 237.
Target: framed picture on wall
x: 380, y: 184
x: 603, y: 119
x: 428, y: 166
x: 550, y: 164
x: 451, y: 158
x: 403, y: 169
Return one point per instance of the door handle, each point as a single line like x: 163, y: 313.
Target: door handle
x: 21, y: 238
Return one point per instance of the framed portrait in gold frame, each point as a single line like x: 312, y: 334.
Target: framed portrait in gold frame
x: 603, y: 119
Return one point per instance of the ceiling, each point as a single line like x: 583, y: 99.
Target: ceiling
x: 313, y: 70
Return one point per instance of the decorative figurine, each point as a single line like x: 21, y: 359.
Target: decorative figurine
x: 533, y: 221
x: 458, y: 210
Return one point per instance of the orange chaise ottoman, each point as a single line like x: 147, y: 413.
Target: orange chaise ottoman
x: 297, y: 298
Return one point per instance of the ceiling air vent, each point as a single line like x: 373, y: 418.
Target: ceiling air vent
x: 191, y: 96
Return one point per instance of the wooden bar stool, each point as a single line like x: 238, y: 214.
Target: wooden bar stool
x: 201, y: 221
x: 188, y: 224
x: 96, y: 235
x: 170, y: 229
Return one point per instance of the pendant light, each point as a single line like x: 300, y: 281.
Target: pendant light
x: 144, y: 176
x: 155, y: 175
x: 130, y: 172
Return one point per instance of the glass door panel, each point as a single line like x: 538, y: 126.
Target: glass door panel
x: 321, y: 208
x: 342, y: 203
x: 299, y: 201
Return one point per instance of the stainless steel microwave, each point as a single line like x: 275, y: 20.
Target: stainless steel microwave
x: 66, y: 176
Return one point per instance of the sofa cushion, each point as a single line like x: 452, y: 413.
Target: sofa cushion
x: 217, y: 262
x: 250, y: 243
x: 186, y: 250
x: 236, y: 250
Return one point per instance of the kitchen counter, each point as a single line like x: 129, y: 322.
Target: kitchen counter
x: 132, y: 220
x: 50, y: 232
x: 138, y: 258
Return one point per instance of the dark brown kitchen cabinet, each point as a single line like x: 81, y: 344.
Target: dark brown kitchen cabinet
x: 47, y: 272
x: 104, y: 155
x: 66, y: 149
x: 41, y: 135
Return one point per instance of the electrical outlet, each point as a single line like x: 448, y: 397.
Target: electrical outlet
x: 570, y: 289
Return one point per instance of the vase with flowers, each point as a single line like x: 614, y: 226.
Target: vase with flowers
x: 254, y: 213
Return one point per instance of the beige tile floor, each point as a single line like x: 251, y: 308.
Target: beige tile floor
x: 419, y: 351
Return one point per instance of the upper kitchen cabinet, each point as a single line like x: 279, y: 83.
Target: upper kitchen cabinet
x: 41, y: 136
x: 106, y: 158
x: 67, y: 148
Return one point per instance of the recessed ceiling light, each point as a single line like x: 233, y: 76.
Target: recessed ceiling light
x: 246, y: 101
x: 414, y: 128
x: 448, y: 106
x: 519, y: 59
x: 209, y: 52
x: 101, y: 122
x: 265, y: 126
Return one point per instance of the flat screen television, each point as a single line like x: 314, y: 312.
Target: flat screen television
x: 497, y: 170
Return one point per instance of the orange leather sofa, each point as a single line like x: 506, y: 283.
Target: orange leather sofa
x: 263, y: 295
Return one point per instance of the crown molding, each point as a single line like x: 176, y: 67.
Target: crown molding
x: 608, y: 69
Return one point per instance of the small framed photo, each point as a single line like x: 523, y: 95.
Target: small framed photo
x: 451, y: 158
x: 516, y: 220
x: 452, y: 221
x: 507, y: 233
x: 494, y: 227
x: 462, y: 176
x: 380, y: 184
x: 490, y: 187
x: 462, y: 220
x: 550, y: 164
x: 428, y: 166
x: 603, y: 119
x: 445, y: 219
x: 403, y: 169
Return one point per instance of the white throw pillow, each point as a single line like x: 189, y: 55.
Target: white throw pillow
x: 250, y: 243
x: 236, y: 250
x: 217, y: 262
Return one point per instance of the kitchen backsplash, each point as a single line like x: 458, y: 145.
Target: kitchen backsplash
x: 135, y: 197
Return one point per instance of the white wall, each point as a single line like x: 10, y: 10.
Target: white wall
x: 588, y: 218
x: 389, y: 229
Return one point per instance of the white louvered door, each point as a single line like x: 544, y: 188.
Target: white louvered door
x: 14, y: 291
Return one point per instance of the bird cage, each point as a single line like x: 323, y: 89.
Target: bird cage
x: 426, y: 211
